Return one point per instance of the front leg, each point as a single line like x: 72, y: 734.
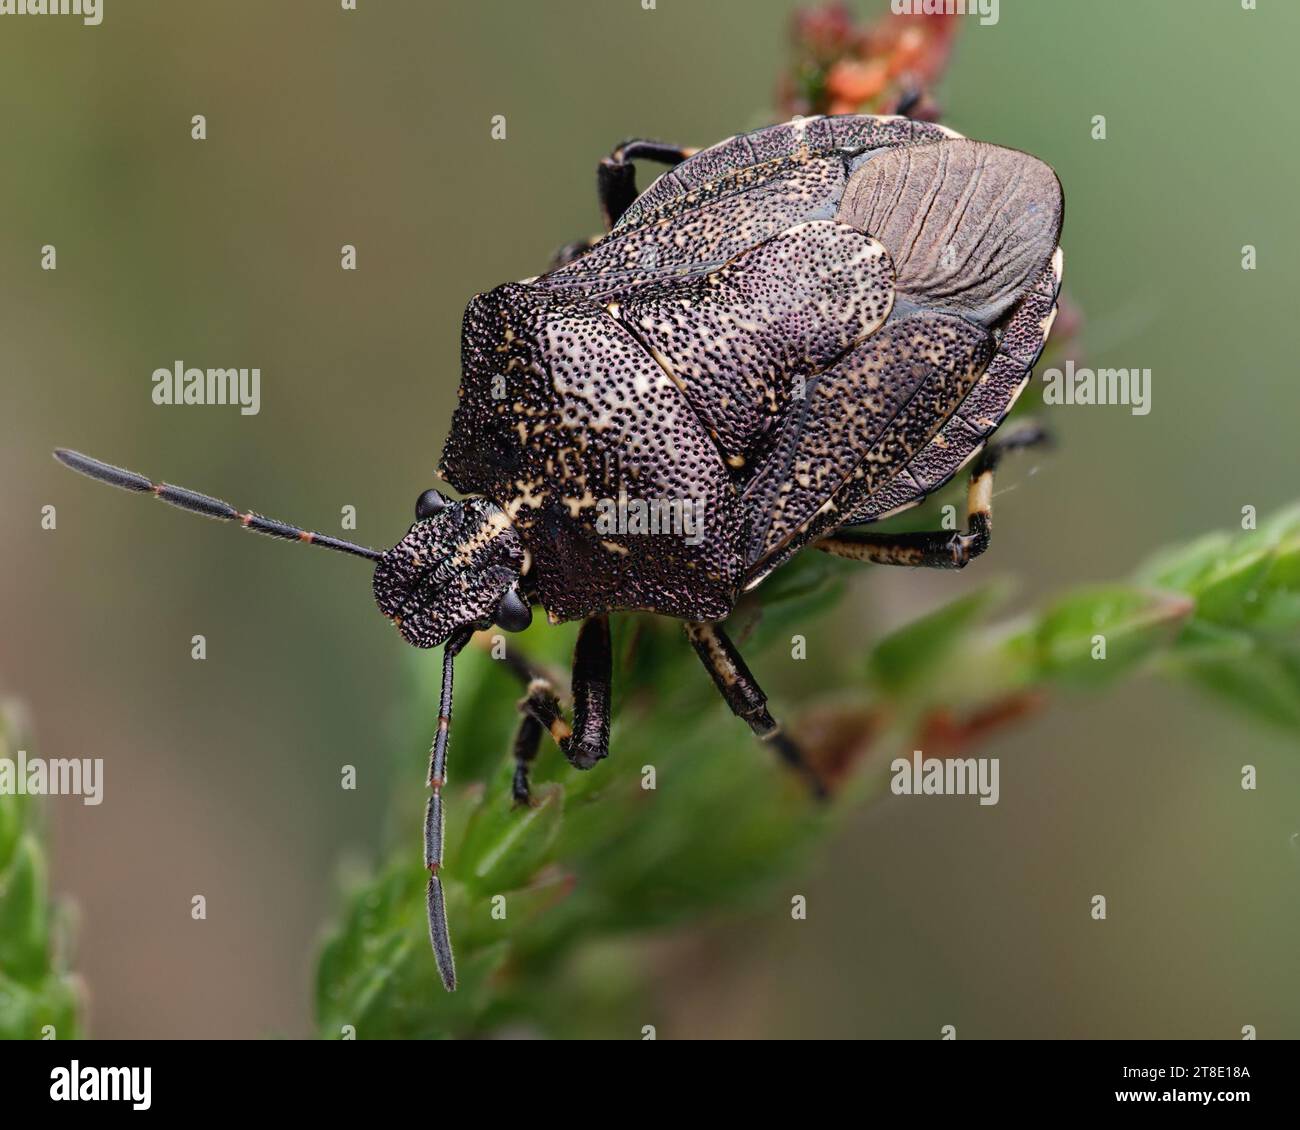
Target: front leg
x: 592, y: 694
x: 528, y: 740
x: 745, y: 697
x: 587, y: 740
x: 616, y: 187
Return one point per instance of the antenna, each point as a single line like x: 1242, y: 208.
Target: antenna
x: 204, y: 504
x: 439, y: 936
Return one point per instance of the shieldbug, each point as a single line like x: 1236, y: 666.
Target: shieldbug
x: 796, y: 332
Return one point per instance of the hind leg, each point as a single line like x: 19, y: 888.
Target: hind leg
x: 742, y: 693
x: 940, y: 549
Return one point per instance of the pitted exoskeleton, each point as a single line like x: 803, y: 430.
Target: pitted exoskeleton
x: 789, y: 335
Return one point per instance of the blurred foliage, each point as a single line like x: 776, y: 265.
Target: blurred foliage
x: 600, y: 857
x: 36, y: 992
x: 842, y: 66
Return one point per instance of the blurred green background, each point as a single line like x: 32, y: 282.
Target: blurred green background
x: 328, y: 127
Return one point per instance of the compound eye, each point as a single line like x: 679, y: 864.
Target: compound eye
x: 513, y: 613
x: 429, y: 504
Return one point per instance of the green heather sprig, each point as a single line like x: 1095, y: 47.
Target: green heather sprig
x: 39, y: 999
x: 551, y: 902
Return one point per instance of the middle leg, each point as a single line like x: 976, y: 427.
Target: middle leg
x: 745, y: 697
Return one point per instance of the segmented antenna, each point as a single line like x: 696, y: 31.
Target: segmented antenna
x: 206, y: 505
x: 439, y: 936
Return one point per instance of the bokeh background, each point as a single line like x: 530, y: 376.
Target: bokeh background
x: 372, y: 127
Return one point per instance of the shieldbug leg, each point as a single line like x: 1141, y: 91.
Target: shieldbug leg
x: 587, y: 740
x: 519, y: 664
x: 592, y: 695
x: 742, y: 693
x: 541, y: 714
x: 909, y: 100
x: 616, y: 175
x: 434, y: 822
x: 941, y: 549
x: 528, y: 740
x: 944, y: 550
x: 540, y: 703
x: 542, y: 708
x: 569, y: 252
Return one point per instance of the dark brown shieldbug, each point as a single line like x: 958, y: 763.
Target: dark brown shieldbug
x: 794, y: 332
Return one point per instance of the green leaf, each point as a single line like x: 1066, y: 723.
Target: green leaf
x: 23, y: 922
x: 1284, y: 526
x: 12, y: 822
x: 371, y: 935
x: 522, y: 908
x: 1266, y: 684
x: 26, y: 1011
x: 1275, y: 608
x: 1093, y: 637
x: 905, y: 658
x: 1179, y: 569
x: 1202, y: 640
x: 34, y: 990
x: 376, y: 975
x: 505, y: 845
